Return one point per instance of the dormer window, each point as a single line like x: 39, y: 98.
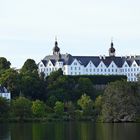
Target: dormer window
x: 41, y: 65
x: 134, y: 65
x: 125, y: 65
x: 75, y: 63
x: 49, y: 64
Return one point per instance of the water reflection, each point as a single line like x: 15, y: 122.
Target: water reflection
x: 69, y: 131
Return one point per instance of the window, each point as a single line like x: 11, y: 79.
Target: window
x: 116, y: 70
x: 75, y: 63
x: 134, y: 65
x: 75, y: 73
x: 41, y: 65
x: 75, y: 68
x: 108, y: 70
x: 79, y: 68
x: 71, y: 73
x: 112, y: 66
x: 86, y: 70
x: 79, y: 73
x: 105, y: 70
x: 71, y: 68
x: 90, y: 70
x: 125, y: 65
x: 49, y: 64
x: 101, y: 70
x: 112, y: 70
x: 97, y: 70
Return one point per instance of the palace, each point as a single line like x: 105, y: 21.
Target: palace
x: 91, y: 65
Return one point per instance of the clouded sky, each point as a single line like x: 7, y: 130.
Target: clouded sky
x: 83, y: 27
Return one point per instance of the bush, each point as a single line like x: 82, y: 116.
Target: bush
x: 38, y: 108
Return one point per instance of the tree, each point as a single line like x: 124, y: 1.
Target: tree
x: 29, y: 65
x: 11, y: 80
x: 121, y: 102
x: 59, y: 108
x: 85, y: 86
x: 98, y: 105
x: 4, y: 64
x: 4, y: 107
x: 38, y: 108
x: 86, y: 104
x: 61, y: 88
x: 22, y: 107
x: 54, y: 75
x: 70, y: 108
x: 32, y: 86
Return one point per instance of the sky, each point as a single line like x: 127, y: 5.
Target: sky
x: 83, y: 27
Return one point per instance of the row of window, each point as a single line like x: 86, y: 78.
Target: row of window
x: 130, y: 69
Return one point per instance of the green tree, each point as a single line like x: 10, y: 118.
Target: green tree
x: 32, y: 86
x: 121, y: 102
x: 38, y: 108
x: 29, y: 65
x: 59, y: 108
x: 61, y: 88
x: 4, y: 107
x: 98, y: 105
x: 86, y: 104
x: 22, y: 107
x: 54, y: 75
x: 70, y: 108
x: 11, y: 80
x: 4, y: 64
x: 85, y: 86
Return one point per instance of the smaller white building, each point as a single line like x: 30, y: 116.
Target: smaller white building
x: 5, y: 93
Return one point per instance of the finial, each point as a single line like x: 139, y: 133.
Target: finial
x: 55, y: 38
x: 112, y: 42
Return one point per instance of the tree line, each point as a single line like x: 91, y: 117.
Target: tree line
x: 62, y: 97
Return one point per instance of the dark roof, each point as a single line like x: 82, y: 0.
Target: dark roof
x: 67, y: 59
x: 3, y: 89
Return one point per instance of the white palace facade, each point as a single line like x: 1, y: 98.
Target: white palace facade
x: 91, y: 65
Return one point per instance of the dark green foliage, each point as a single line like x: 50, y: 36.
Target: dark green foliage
x: 59, y: 108
x: 121, y: 102
x: 4, y: 64
x: 85, y: 85
x: 32, y: 86
x: 22, y: 107
x: 4, y: 107
x: 29, y: 65
x: 100, y: 79
x: 11, y: 80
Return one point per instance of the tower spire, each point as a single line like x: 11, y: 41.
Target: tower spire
x: 56, y: 49
x: 112, y: 49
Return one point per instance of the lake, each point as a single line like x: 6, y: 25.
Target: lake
x: 69, y: 131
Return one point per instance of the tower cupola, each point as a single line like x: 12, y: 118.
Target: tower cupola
x: 112, y: 49
x: 56, y: 49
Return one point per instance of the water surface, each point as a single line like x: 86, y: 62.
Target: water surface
x: 69, y: 131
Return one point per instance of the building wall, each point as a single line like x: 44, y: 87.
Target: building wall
x: 6, y: 95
